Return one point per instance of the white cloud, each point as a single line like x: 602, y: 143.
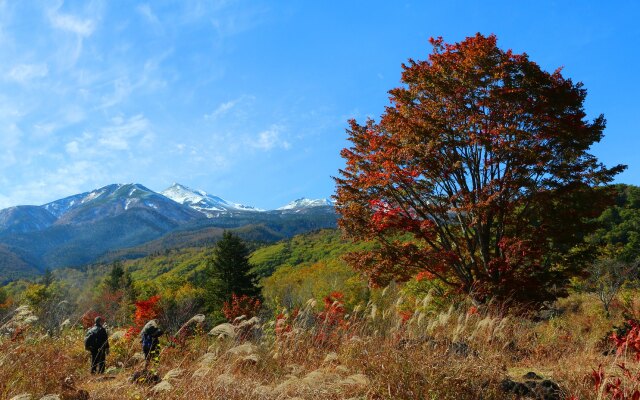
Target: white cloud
x: 72, y: 147
x: 119, y: 135
x: 71, y: 23
x: 226, y: 107
x: 122, y: 89
x: 70, y: 48
x: 221, y: 110
x: 23, y: 73
x: 146, y: 11
x: 10, y: 140
x: 269, y: 139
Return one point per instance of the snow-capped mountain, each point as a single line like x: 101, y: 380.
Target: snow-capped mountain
x: 131, y: 219
x: 306, y: 203
x: 112, y: 200
x: 211, y: 206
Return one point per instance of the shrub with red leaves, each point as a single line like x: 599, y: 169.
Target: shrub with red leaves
x: 88, y: 318
x: 146, y: 310
x: 331, y: 320
x: 241, y: 305
x: 630, y: 340
x: 613, y: 387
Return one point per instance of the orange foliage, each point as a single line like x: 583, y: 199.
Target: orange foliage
x: 146, y: 310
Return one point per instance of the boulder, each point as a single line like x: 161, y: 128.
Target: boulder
x: 534, y: 389
x: 223, y: 331
x: 532, y: 375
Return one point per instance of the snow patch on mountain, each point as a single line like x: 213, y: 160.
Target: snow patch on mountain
x: 306, y: 203
x: 203, y: 202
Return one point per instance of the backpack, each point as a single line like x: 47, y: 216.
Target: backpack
x: 147, y: 340
x: 90, y: 339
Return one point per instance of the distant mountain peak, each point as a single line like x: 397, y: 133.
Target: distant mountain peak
x: 304, y: 202
x: 200, y: 200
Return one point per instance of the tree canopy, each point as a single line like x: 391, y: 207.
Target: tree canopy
x: 229, y: 271
x: 478, y: 174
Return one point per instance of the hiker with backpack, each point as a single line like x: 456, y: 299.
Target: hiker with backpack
x: 150, y: 339
x: 96, y: 341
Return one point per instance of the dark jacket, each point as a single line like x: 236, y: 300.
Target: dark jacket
x: 96, y: 339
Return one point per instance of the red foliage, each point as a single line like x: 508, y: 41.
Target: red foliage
x: 478, y: 174
x: 241, y: 305
x: 630, y: 340
x: 614, y: 387
x: 405, y: 316
x: 330, y: 321
x: 88, y: 319
x: 146, y: 310
x: 282, y: 325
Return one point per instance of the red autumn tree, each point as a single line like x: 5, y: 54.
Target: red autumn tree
x: 478, y: 174
x: 146, y: 310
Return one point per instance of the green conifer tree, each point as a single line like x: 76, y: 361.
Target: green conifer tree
x: 229, y: 272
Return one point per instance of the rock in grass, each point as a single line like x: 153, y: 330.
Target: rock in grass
x: 532, y: 375
x: 545, y: 390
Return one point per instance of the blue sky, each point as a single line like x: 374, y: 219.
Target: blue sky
x: 249, y: 100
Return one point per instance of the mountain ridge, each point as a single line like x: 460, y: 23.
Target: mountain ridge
x: 84, y: 228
